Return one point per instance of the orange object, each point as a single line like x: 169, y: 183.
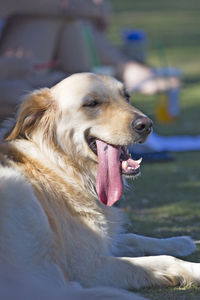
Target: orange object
x: 163, y: 114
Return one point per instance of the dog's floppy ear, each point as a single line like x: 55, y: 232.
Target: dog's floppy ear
x: 31, y: 111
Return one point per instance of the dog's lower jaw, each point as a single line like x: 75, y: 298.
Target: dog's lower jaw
x: 89, y: 175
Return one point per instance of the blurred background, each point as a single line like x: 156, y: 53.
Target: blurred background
x: 172, y: 28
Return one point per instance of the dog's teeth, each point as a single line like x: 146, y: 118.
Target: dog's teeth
x: 128, y: 153
x: 125, y: 164
x: 139, y: 160
x: 130, y: 168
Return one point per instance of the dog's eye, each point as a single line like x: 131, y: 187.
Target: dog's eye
x: 92, y: 103
x: 127, y: 96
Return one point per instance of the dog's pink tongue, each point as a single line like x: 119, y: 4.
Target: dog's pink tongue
x: 109, y: 181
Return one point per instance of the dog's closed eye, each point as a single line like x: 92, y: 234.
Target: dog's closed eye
x: 92, y: 103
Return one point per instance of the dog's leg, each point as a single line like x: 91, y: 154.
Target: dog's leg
x: 137, y: 245
x: 19, y: 285
x: 129, y: 273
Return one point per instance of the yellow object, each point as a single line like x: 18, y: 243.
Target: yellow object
x: 163, y: 114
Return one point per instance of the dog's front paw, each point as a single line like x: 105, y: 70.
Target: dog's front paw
x: 180, y: 246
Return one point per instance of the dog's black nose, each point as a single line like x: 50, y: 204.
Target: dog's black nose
x: 142, y: 125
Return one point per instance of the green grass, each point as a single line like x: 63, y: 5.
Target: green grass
x: 165, y: 200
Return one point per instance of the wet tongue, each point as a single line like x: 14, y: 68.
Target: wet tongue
x: 109, y: 181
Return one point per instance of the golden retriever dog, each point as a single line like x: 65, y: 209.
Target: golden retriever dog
x: 61, y: 170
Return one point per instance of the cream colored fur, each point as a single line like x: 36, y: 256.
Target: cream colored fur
x: 52, y: 225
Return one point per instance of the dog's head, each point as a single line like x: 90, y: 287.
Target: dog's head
x: 88, y: 117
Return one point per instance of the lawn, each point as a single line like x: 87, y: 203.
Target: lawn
x: 165, y: 200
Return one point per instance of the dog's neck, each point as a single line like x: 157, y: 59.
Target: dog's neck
x: 28, y: 156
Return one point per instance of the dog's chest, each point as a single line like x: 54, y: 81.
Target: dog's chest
x: 87, y: 228
x: 81, y: 240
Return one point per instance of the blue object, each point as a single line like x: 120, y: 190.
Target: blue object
x: 135, y: 44
x: 134, y: 35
